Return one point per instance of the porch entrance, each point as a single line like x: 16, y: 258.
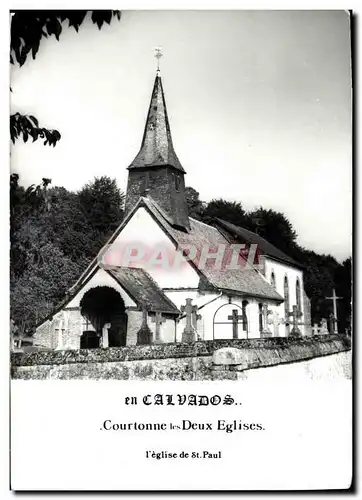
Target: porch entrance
x: 99, y: 306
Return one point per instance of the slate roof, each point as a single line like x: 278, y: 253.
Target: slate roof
x: 247, y: 236
x: 241, y: 281
x: 247, y: 281
x: 143, y: 289
x: 157, y: 148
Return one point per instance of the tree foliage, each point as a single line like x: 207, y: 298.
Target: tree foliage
x: 274, y: 227
x: 102, y: 203
x: 28, y: 127
x: 231, y: 211
x: 54, y: 235
x: 28, y: 29
x: 194, y: 204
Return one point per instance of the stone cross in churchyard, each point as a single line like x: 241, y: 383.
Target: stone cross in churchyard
x: 334, y: 298
x: 295, y: 313
x: 276, y: 320
x: 234, y: 317
x: 158, y: 319
x: 144, y: 334
x: 105, y: 339
x: 332, y: 324
x: 324, y: 328
x: 195, y: 318
x: 266, y: 332
x: 59, y: 335
x: 315, y: 329
x: 188, y: 335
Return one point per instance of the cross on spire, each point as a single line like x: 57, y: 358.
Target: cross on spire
x: 158, y: 55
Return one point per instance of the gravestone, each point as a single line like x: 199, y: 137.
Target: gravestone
x: 195, y: 318
x: 158, y: 319
x: 295, y: 313
x: 324, y: 328
x: 105, y: 338
x: 276, y: 320
x: 234, y: 317
x: 315, y: 329
x: 266, y: 332
x: 189, y: 333
x: 144, y: 334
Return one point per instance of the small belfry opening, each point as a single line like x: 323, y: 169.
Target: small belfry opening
x: 104, y: 308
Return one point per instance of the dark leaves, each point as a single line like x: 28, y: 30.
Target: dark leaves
x: 28, y: 27
x: 25, y: 126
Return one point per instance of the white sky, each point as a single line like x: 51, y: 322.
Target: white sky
x: 259, y: 104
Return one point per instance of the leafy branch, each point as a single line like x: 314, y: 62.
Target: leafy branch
x: 29, y: 27
x: 28, y: 126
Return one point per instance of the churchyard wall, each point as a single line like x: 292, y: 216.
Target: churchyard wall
x: 214, y: 360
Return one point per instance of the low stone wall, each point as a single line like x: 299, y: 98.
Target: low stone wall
x: 172, y: 361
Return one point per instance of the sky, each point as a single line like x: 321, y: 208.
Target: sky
x: 259, y: 104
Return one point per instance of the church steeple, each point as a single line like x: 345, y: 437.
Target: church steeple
x: 156, y: 171
x: 157, y: 148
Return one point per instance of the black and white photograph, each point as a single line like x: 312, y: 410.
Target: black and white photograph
x: 181, y: 216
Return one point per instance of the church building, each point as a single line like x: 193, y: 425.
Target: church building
x: 165, y: 277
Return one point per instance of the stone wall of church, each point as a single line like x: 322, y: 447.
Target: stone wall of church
x: 133, y: 325
x: 142, y: 226
x: 44, y: 335
x: 101, y: 278
x: 70, y: 321
x: 293, y: 274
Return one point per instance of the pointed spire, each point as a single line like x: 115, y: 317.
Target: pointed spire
x: 157, y: 148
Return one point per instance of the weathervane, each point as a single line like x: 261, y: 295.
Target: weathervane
x: 158, y: 55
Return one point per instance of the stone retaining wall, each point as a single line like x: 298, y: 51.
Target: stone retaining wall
x: 172, y: 361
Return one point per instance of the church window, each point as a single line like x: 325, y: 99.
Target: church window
x: 272, y: 280
x: 298, y: 296
x: 260, y: 318
x: 177, y: 183
x: 145, y: 184
x: 244, y: 315
x: 286, y: 301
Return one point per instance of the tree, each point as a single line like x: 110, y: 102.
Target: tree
x: 343, y: 280
x: 28, y: 28
x: 43, y: 284
x: 55, y: 234
x: 24, y: 204
x: 231, y: 211
x: 102, y: 203
x: 194, y: 204
x: 274, y: 227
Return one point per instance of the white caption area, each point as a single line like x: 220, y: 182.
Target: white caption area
x: 57, y: 443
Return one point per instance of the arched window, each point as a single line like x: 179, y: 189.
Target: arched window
x: 177, y: 183
x: 272, y: 280
x: 286, y: 302
x: 245, y: 317
x: 261, y: 318
x: 298, y: 295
